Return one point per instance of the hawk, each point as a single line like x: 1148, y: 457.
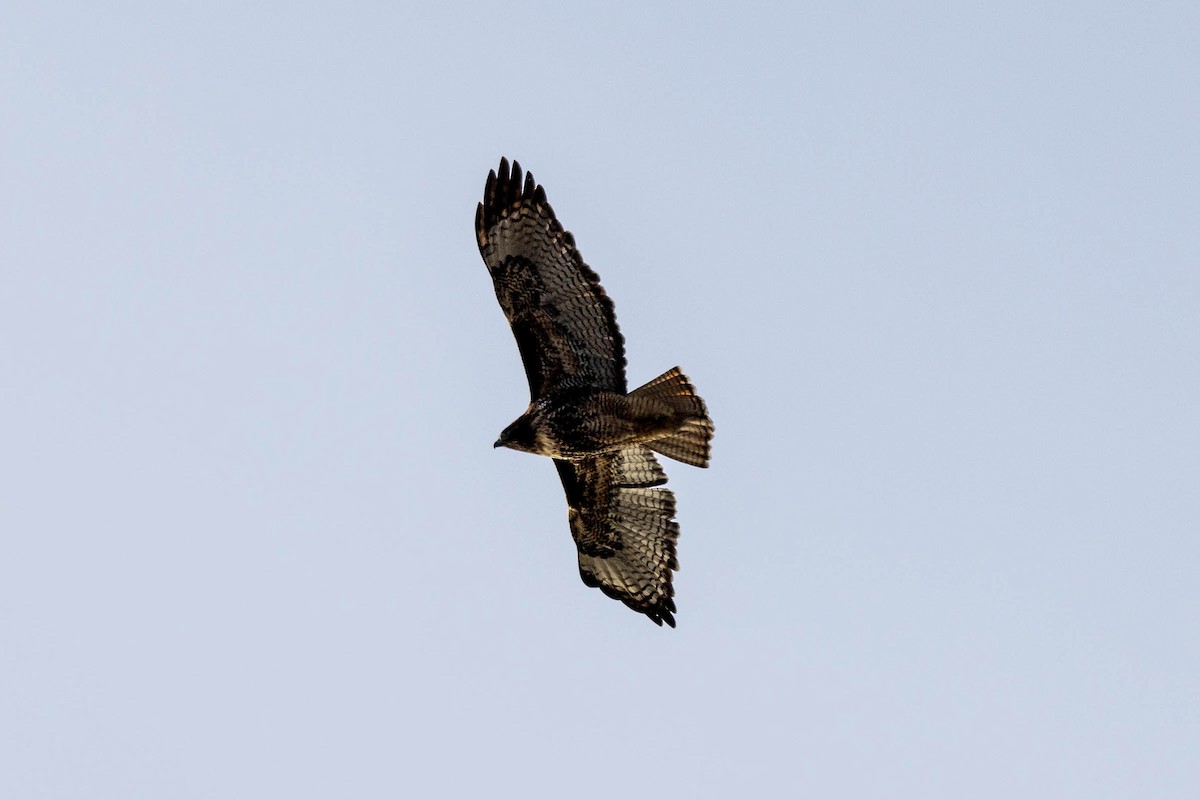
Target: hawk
x: 601, y: 436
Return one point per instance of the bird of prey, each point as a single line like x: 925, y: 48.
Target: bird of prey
x: 602, y: 437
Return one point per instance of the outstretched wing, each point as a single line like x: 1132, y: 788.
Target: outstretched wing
x: 624, y: 528
x: 564, y: 323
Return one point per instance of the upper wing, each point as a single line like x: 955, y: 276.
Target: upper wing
x: 624, y: 528
x: 564, y: 323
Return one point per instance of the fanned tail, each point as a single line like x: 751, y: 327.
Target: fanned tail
x: 691, y: 442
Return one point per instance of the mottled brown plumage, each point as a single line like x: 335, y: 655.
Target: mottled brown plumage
x: 580, y: 413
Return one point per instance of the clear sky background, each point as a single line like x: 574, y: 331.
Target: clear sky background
x: 934, y: 266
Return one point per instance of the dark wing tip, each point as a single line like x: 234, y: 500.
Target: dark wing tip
x: 489, y: 188
x: 662, y: 613
x: 658, y: 612
x: 506, y: 188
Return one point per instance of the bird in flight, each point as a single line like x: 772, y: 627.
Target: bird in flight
x: 601, y: 437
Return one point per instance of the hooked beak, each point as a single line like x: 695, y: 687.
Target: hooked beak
x: 499, y: 443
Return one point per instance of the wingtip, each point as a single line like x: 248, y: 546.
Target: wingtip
x: 489, y: 188
x: 662, y: 612
x: 514, y: 179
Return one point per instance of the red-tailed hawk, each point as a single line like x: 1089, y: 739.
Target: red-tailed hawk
x: 580, y: 414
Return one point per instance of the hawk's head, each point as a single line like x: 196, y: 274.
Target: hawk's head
x: 518, y: 436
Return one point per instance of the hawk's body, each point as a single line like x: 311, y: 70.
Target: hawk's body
x: 581, y: 423
x: 580, y: 413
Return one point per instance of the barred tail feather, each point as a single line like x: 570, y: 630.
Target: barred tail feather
x: 691, y: 442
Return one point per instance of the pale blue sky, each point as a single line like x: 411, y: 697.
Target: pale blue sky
x: 934, y: 266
